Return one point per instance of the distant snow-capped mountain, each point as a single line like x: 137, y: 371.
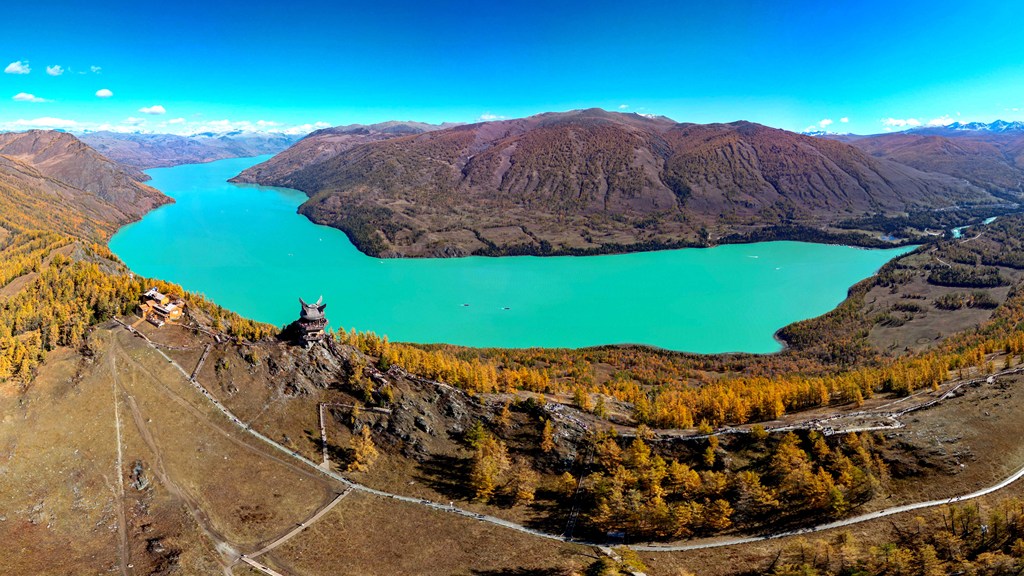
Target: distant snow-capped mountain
x: 997, y: 126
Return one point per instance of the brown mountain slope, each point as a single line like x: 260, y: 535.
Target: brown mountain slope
x: 34, y: 201
x: 595, y: 181
x: 744, y: 168
x: 144, y: 151
x: 325, y: 144
x: 73, y: 165
x: 994, y: 161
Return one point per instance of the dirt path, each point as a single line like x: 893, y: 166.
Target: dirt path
x: 203, y: 417
x: 647, y: 547
x: 123, y: 549
x: 261, y: 567
x: 306, y: 524
x: 201, y: 519
x: 228, y: 551
x: 190, y: 503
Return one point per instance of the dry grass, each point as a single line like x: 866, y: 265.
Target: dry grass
x: 211, y: 489
x: 367, y: 536
x: 59, y: 482
x: 964, y: 444
x: 248, y: 493
x: 57, y: 455
x: 920, y: 330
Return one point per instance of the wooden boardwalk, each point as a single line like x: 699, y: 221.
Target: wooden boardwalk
x: 202, y: 359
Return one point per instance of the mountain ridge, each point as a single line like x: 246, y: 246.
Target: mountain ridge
x: 988, y: 155
x: 63, y: 164
x: 591, y: 181
x: 325, y: 143
x: 994, y: 126
x: 143, y: 151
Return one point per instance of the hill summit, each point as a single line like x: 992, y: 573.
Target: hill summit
x: 590, y: 181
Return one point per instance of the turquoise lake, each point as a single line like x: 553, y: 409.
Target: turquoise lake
x: 247, y: 249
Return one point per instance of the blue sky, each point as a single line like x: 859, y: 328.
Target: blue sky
x: 187, y: 65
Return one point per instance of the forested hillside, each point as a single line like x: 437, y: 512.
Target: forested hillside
x: 324, y: 144
x: 57, y: 277
x: 68, y: 162
x: 991, y: 156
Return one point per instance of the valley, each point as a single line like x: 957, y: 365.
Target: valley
x: 142, y: 151
x: 524, y: 289
x: 216, y: 446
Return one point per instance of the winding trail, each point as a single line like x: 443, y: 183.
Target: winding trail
x: 699, y: 544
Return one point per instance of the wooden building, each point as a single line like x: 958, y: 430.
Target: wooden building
x: 311, y: 323
x: 158, y: 308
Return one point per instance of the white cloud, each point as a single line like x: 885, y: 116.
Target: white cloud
x: 221, y: 125
x: 45, y: 122
x: 844, y: 119
x: 943, y: 120
x: 19, y: 67
x: 623, y: 106
x: 303, y: 128
x: 25, y: 97
x: 811, y: 128
x: 56, y: 70
x: 186, y: 126
x: 825, y: 123
x: 262, y: 126
x: 104, y: 93
x: 901, y: 122
x: 488, y: 117
x: 155, y: 110
x: 126, y: 126
x: 95, y: 69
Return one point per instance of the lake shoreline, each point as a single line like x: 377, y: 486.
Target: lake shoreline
x: 768, y: 233
x: 259, y: 253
